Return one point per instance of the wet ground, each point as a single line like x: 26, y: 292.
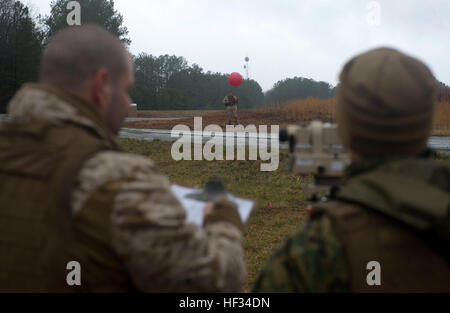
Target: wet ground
x: 435, y: 143
x: 128, y: 119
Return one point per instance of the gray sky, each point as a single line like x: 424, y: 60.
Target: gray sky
x: 309, y: 38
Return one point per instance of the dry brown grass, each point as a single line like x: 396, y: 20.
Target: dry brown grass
x: 302, y: 110
x: 442, y: 119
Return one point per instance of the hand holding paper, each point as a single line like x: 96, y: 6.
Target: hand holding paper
x: 194, y: 208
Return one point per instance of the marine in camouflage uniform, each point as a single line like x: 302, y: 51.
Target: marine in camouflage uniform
x: 231, y: 102
x: 393, y: 205
x: 69, y: 193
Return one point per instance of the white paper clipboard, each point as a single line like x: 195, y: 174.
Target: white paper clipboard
x: 194, y: 208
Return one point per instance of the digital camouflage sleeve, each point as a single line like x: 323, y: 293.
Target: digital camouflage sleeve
x: 311, y: 261
x: 159, y: 250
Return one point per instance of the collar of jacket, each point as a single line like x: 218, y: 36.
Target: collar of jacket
x: 368, y: 164
x: 412, y: 190
x: 47, y: 103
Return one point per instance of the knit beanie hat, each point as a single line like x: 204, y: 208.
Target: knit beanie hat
x: 385, y: 104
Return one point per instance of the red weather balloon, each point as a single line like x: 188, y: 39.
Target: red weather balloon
x: 235, y: 79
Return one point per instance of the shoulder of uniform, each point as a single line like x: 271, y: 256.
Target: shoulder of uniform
x: 318, y: 252
x: 312, y: 260
x: 122, y: 163
x: 112, y: 166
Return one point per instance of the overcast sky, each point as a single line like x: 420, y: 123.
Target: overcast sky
x: 309, y: 38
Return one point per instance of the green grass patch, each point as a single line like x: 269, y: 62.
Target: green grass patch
x: 280, y: 201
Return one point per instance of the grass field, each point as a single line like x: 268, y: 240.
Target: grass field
x: 280, y: 207
x: 289, y: 112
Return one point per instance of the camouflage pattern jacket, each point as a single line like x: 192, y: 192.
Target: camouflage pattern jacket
x: 394, y: 212
x: 157, y: 249
x: 230, y: 102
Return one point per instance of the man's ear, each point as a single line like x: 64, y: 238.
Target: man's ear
x: 100, y: 90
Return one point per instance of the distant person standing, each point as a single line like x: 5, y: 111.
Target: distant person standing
x: 231, y: 102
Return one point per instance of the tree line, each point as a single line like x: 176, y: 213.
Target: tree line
x: 20, y: 48
x: 168, y: 82
x: 302, y: 88
x: 162, y: 82
x: 24, y: 35
x: 299, y: 88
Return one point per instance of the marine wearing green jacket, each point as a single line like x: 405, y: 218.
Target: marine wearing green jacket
x: 393, y: 206
x: 69, y: 193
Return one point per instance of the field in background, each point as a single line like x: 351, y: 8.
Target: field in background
x: 280, y: 209
x: 297, y: 111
